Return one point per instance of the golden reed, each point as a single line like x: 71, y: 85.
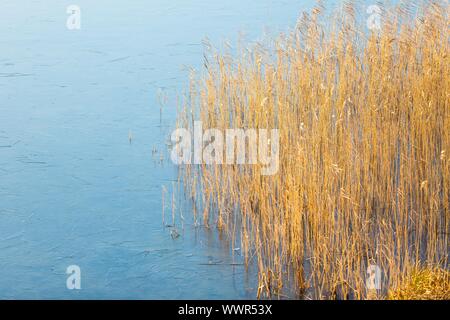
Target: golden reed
x: 364, y: 172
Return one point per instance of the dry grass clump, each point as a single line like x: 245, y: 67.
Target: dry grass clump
x: 427, y: 284
x: 364, y: 175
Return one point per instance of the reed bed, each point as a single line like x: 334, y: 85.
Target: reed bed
x: 427, y: 284
x: 364, y: 168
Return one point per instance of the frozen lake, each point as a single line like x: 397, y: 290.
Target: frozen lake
x: 73, y: 189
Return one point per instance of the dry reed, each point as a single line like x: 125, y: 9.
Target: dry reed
x: 364, y: 173
x: 427, y: 284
